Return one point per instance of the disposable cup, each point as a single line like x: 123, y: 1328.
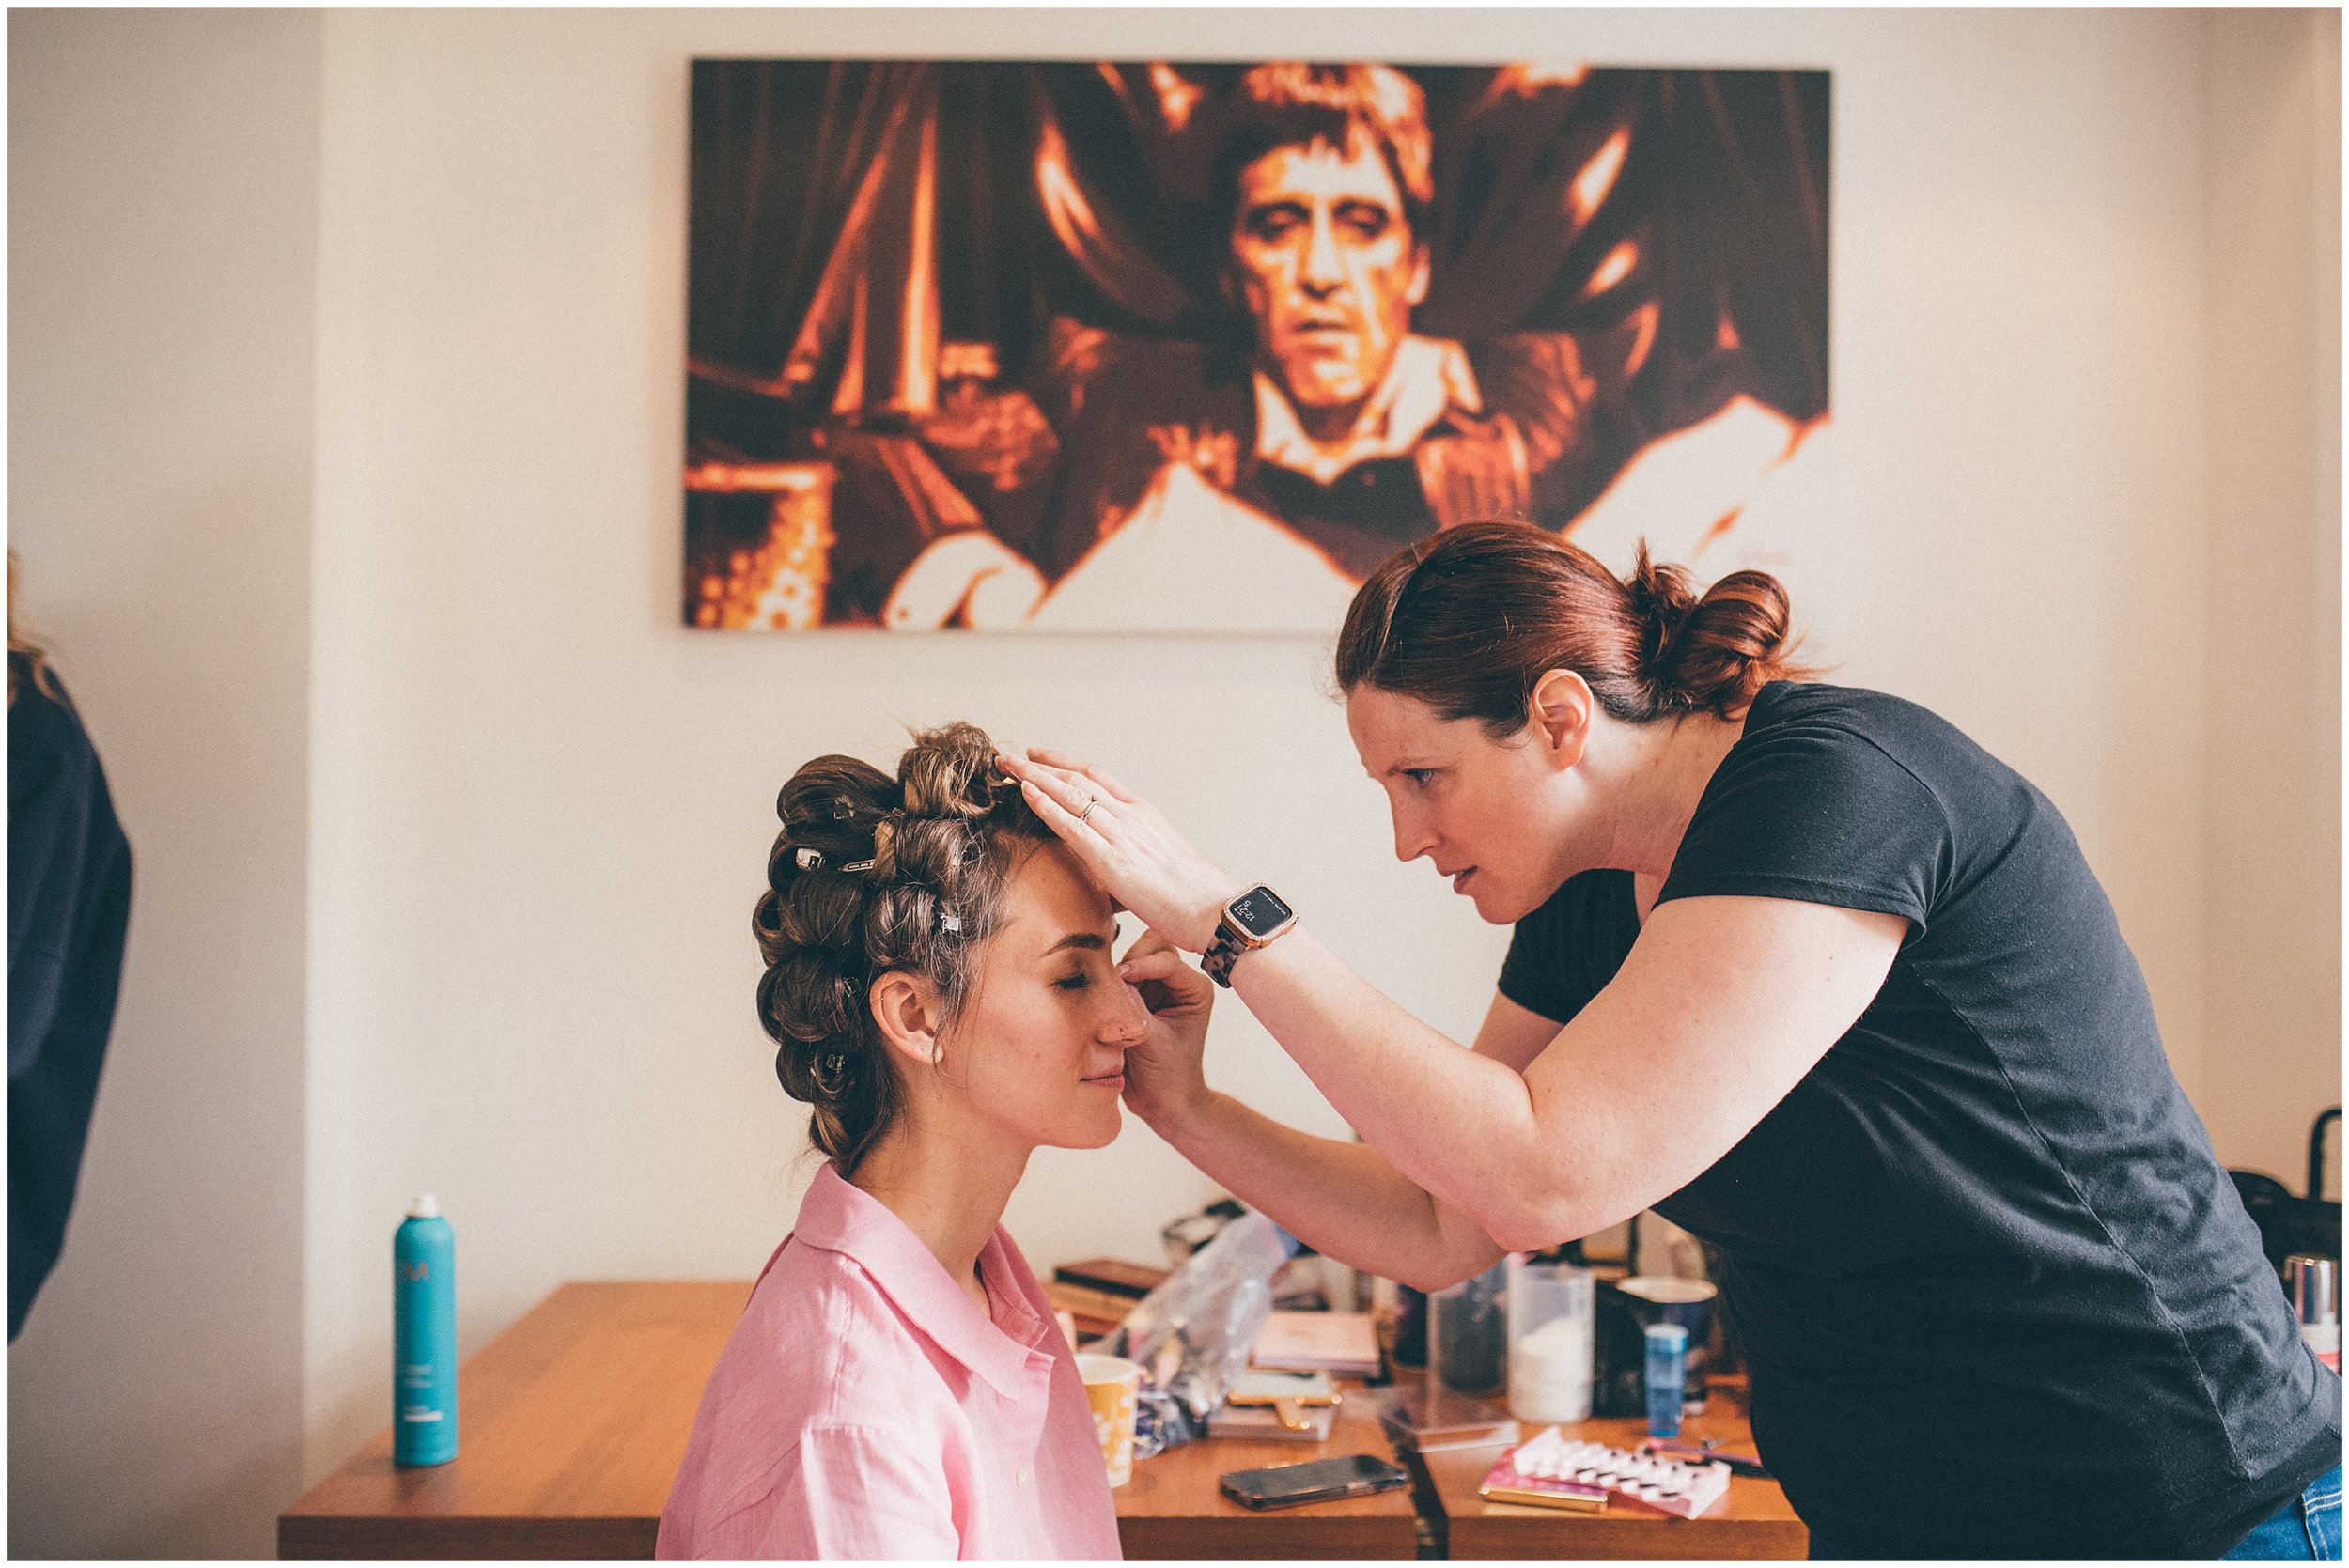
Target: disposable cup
x: 1112, y: 1384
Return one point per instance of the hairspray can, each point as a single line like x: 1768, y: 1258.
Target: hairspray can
x: 424, y: 1338
x: 1667, y: 1374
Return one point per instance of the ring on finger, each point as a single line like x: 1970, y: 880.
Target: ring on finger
x: 1091, y: 801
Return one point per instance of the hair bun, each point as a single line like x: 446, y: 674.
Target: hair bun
x: 1725, y: 648
x: 1662, y: 597
x: 949, y: 772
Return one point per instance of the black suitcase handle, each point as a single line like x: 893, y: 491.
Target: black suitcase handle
x: 2316, y: 1150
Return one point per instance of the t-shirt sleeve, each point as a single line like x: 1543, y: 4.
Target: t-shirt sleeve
x: 854, y: 1492
x: 1820, y: 815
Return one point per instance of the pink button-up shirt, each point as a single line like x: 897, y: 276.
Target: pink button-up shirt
x: 865, y: 1407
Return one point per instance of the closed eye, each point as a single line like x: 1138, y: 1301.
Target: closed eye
x: 1274, y: 222
x: 1366, y: 220
x: 1076, y: 981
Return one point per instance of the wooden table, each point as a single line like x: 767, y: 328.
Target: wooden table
x: 1172, y: 1508
x: 574, y: 1420
x: 1754, y: 1521
x: 570, y: 1426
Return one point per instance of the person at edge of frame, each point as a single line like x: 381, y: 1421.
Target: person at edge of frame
x: 69, y: 917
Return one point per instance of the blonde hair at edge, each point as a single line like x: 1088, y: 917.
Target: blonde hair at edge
x: 22, y: 641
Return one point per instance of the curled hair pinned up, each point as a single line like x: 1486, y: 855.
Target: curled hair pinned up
x: 873, y: 874
x: 1468, y: 620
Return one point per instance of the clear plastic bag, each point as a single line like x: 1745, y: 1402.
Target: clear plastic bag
x: 1193, y: 1334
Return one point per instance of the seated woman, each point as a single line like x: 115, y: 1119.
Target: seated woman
x: 939, y: 980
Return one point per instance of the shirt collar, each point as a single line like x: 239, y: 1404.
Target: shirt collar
x: 1428, y: 376
x: 841, y: 1217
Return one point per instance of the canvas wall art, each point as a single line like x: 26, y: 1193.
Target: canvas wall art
x: 1188, y: 347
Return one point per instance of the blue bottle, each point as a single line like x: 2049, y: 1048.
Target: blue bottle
x: 1667, y: 1374
x: 424, y: 1338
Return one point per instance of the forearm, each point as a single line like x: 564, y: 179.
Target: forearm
x: 1461, y: 1127
x: 1343, y: 1200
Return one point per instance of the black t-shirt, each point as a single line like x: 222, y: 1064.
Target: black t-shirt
x: 1997, y: 1296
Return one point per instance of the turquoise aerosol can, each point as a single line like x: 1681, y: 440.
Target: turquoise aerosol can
x: 424, y: 1338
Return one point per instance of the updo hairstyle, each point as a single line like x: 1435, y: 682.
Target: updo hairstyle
x: 1469, y: 619
x: 871, y: 874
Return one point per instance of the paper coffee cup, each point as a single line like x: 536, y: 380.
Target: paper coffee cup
x: 1111, y: 1385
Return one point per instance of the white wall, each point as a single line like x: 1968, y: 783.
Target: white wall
x: 2272, y: 83
x: 163, y: 181
x: 539, y: 809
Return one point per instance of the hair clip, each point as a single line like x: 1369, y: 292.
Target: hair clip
x: 858, y: 865
x: 950, y: 924
x: 829, y: 1071
x: 809, y: 859
x: 844, y: 811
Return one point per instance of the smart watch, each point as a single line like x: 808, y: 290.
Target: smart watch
x: 1253, y: 919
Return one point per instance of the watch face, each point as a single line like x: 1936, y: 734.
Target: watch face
x: 1260, y: 911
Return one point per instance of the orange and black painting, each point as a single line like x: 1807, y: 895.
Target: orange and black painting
x: 1181, y: 347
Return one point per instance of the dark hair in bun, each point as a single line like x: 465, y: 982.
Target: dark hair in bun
x: 1468, y: 620
x: 942, y: 838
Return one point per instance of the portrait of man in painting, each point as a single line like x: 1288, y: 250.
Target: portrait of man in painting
x: 1193, y: 348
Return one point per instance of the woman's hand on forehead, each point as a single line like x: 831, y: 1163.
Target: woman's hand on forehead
x: 1127, y: 845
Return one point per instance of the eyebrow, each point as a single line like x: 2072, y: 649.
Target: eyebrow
x: 1090, y: 941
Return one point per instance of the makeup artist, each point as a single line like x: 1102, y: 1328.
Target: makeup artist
x: 1813, y: 975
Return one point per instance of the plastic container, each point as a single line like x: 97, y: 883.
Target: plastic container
x: 1662, y: 1298
x: 1552, y: 1321
x: 424, y: 1337
x: 1468, y: 1333
x: 2308, y: 1279
x: 1667, y: 1363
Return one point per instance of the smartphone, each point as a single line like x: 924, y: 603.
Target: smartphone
x: 1354, y: 1475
